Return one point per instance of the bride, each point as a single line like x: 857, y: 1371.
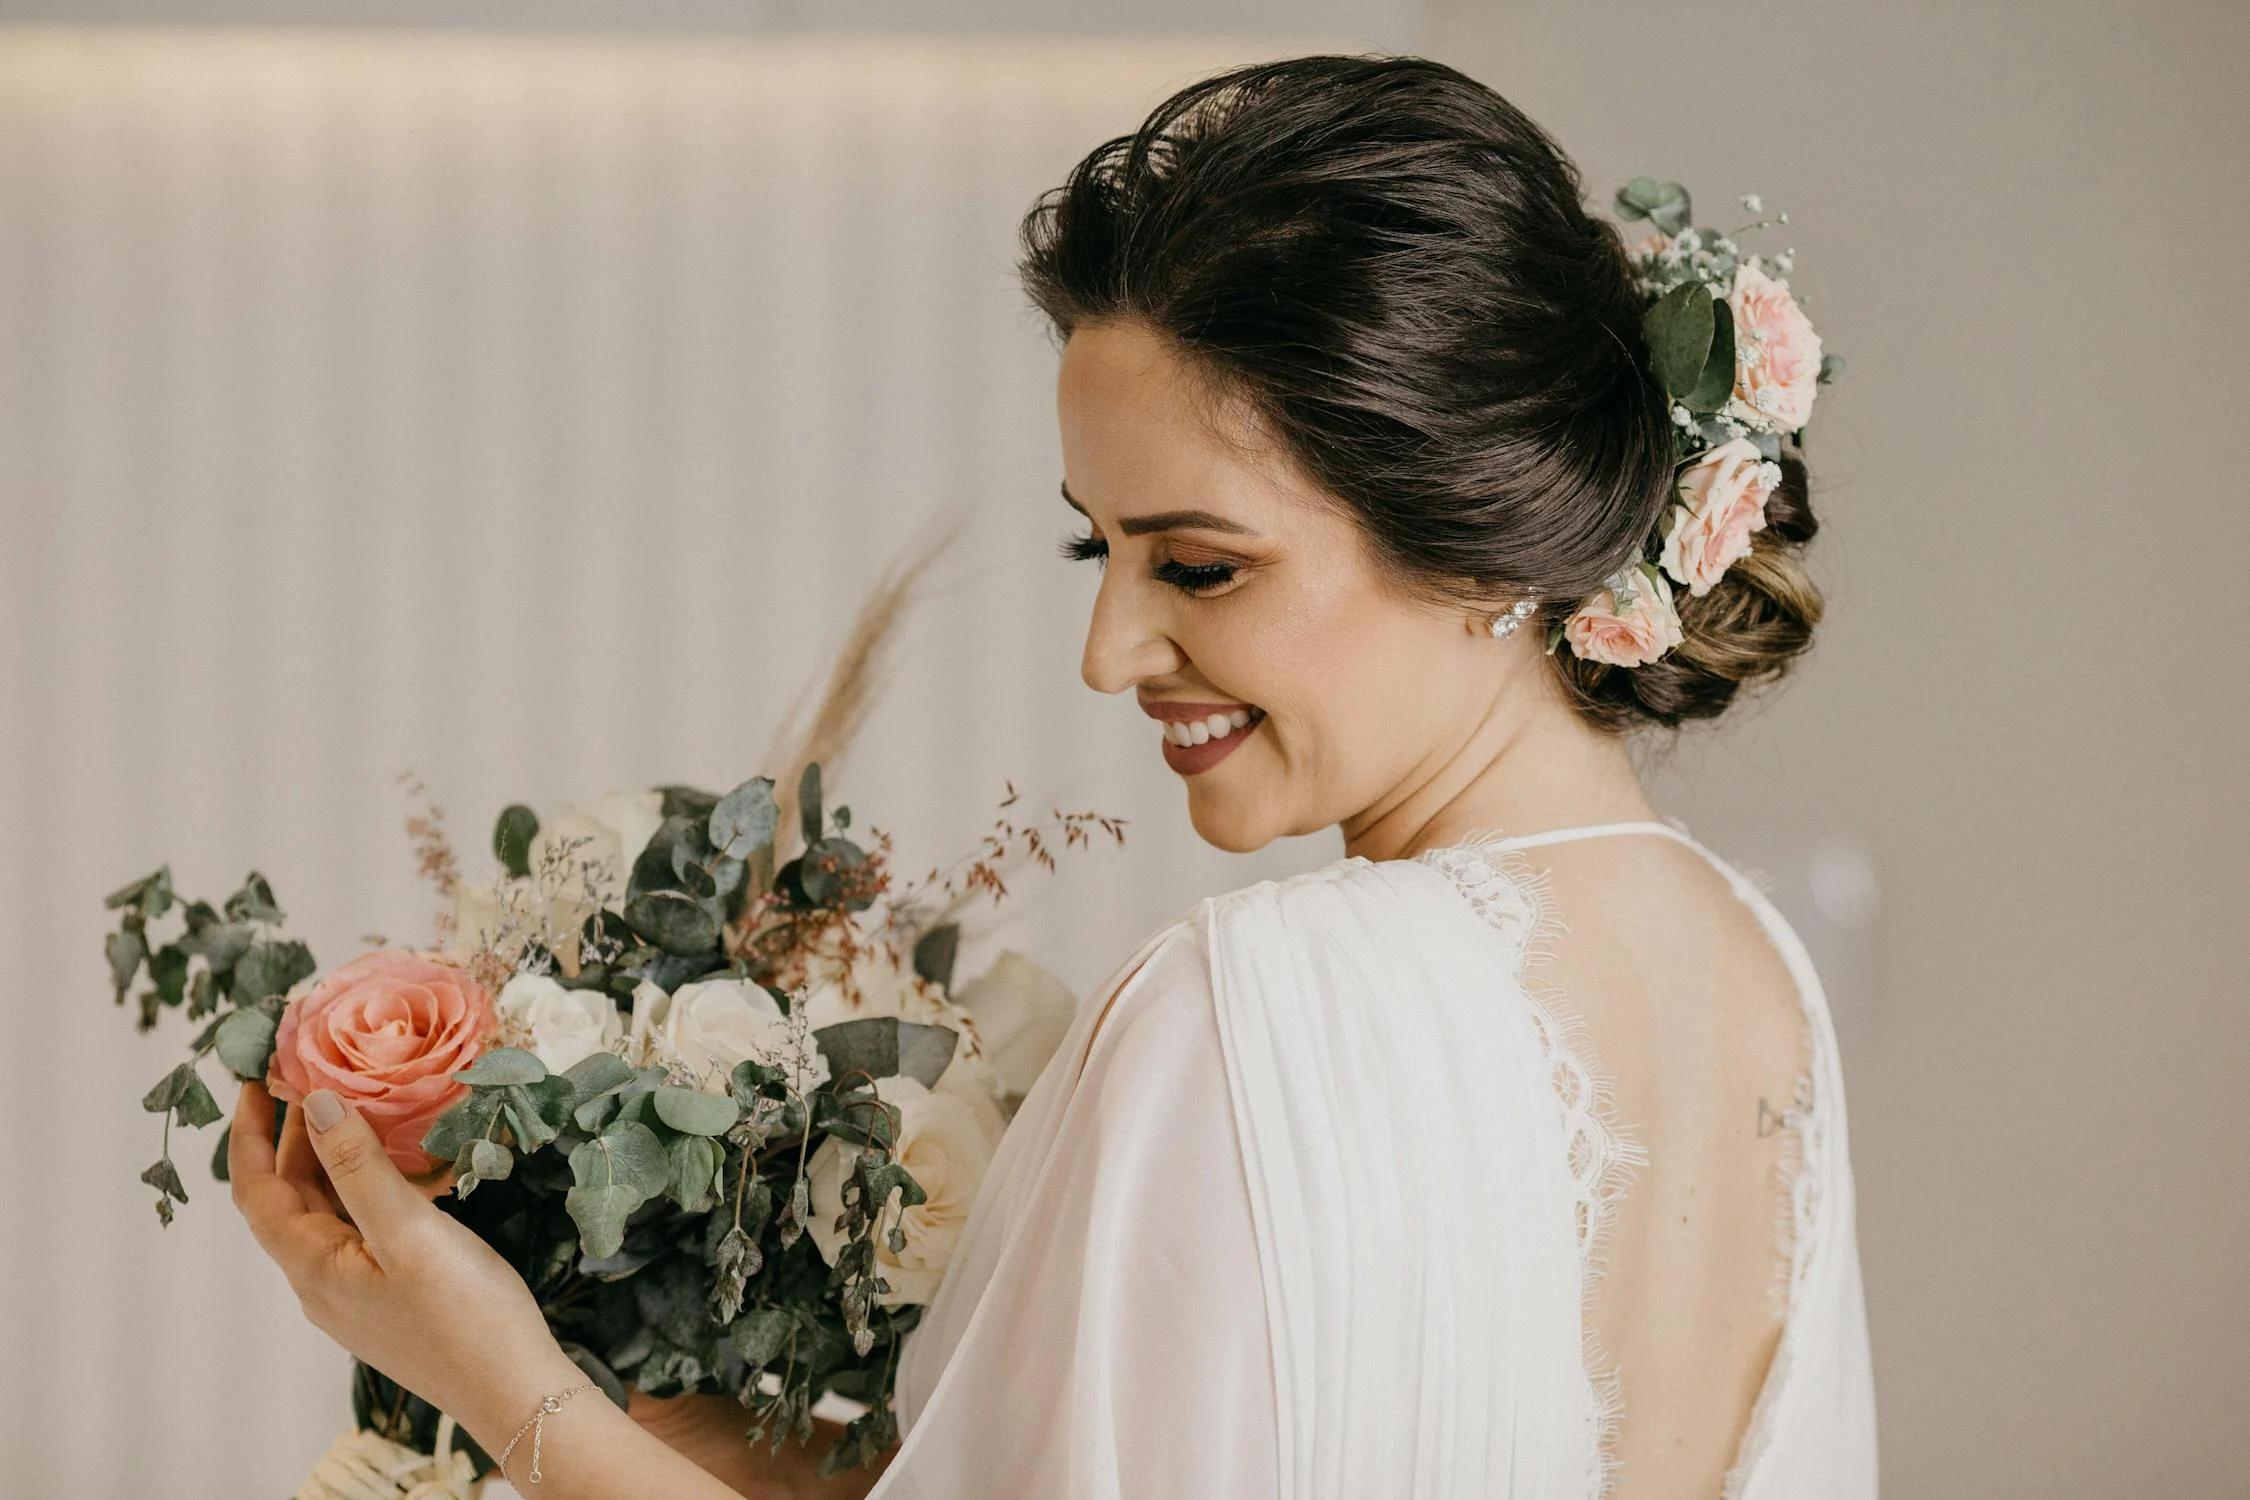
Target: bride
x: 1505, y: 1155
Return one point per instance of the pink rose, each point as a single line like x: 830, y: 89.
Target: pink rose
x: 1776, y: 352
x: 1722, y: 501
x: 386, y: 1032
x: 1628, y: 624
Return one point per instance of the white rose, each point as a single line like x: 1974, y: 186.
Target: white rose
x: 879, y: 984
x: 500, y: 916
x: 585, y: 851
x: 946, y: 1148
x: 875, y: 983
x: 706, y: 1028
x: 561, y: 1026
x: 1022, y: 1013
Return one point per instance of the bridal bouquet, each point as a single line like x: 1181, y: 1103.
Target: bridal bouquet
x: 724, y: 1110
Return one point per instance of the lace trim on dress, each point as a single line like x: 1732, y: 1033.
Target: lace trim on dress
x: 1501, y: 887
x: 1801, y: 1172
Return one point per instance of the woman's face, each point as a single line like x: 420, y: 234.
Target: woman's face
x: 1236, y: 595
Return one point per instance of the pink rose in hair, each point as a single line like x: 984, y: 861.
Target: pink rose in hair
x: 1628, y: 624
x: 1722, y: 501
x: 386, y: 1032
x: 1776, y: 352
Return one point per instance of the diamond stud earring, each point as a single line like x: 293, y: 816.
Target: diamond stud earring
x: 1505, y: 625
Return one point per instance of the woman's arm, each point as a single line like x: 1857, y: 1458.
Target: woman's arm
x: 416, y: 1295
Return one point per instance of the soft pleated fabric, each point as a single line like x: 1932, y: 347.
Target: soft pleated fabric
x: 1292, y: 1215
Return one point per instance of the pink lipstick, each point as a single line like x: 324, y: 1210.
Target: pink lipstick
x: 1197, y: 736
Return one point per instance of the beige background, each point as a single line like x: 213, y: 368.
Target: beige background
x: 528, y: 410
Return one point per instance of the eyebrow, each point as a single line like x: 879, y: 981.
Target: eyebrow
x: 1169, y: 520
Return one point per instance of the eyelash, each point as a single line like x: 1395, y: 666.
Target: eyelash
x: 1188, y: 578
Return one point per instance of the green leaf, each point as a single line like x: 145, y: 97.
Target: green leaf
x: 219, y: 1168
x: 512, y: 834
x: 760, y: 1335
x: 124, y: 950
x: 674, y: 922
x: 736, y: 1260
x: 537, y: 1112
x: 151, y: 895
x: 491, y: 1161
x: 686, y: 801
x: 450, y: 1133
x: 808, y: 803
x: 695, y: 1183
x: 693, y: 1112
x: 254, y: 902
x: 165, y: 1178
x: 267, y: 970
x: 935, y: 953
x: 825, y: 871
x: 182, y: 1092
x: 167, y: 973
x: 1679, y: 328
x: 245, y: 1042
x: 616, y: 1172
x: 596, y: 1074
x: 1664, y: 204
x: 502, y: 1066
x: 1831, y: 369
x: 202, y: 994
x: 600, y: 1214
x: 221, y: 944
x: 743, y: 822
x: 626, y: 1154
x: 1716, y: 383
x: 886, y: 1047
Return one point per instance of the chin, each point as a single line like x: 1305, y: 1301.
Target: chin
x: 1232, y: 821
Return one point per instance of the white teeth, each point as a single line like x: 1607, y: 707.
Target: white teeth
x: 1203, y: 731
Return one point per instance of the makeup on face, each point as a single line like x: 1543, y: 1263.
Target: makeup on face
x: 1197, y: 736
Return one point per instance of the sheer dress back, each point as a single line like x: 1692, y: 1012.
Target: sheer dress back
x: 1332, y: 1193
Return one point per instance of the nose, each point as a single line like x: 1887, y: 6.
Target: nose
x: 1126, y: 641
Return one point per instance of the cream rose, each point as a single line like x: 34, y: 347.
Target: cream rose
x: 562, y: 1027
x: 946, y: 1148
x: 1628, y: 624
x: 1022, y: 1013
x: 877, y: 983
x: 1722, y: 501
x: 586, y: 850
x: 1776, y: 352
x: 706, y: 1028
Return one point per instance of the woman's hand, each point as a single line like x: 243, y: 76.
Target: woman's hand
x: 399, y: 1284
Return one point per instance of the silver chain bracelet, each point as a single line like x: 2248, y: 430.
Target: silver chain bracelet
x: 536, y: 1425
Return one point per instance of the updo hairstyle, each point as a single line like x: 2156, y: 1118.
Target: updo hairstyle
x: 1393, y: 266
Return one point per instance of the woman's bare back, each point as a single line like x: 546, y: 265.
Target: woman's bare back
x: 1669, y: 990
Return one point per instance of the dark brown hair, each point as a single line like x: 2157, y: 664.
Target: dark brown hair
x: 1394, y: 267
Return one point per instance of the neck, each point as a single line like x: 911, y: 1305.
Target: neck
x: 1529, y: 764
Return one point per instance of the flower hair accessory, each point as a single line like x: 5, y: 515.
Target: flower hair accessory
x: 1740, y: 364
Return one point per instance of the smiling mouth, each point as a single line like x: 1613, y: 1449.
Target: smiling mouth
x: 1197, y: 736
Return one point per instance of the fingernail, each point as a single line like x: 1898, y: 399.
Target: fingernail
x: 323, y: 1109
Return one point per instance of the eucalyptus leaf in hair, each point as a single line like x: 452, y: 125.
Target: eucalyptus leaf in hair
x: 1664, y: 204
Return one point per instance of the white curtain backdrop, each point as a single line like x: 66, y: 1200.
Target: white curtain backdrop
x: 530, y: 414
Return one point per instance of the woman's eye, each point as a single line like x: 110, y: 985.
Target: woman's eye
x: 1196, y: 578
x: 1088, y: 548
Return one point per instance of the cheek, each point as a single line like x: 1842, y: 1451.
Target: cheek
x: 1353, y: 682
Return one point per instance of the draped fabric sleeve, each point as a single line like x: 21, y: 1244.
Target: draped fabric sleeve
x: 1288, y: 1216
x: 1102, y: 1333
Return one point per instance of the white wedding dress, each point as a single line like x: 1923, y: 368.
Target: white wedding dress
x: 1302, y: 1209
